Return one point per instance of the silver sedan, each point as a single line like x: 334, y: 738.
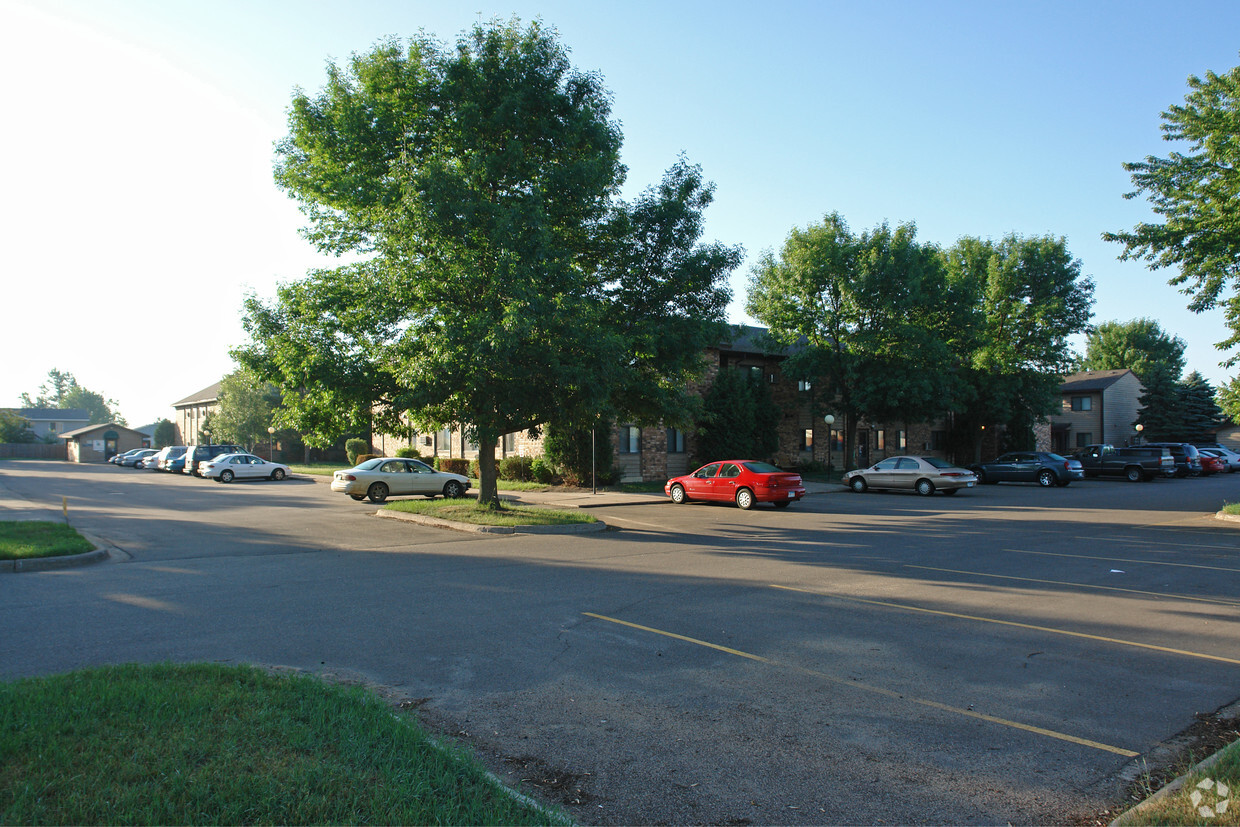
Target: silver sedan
x: 925, y: 475
x: 378, y: 478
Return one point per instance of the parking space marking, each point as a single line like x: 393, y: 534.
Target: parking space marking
x: 1122, y: 560
x: 877, y: 690
x: 1017, y: 624
x: 1079, y: 585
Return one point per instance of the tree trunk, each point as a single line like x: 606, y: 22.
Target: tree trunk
x: 488, y: 490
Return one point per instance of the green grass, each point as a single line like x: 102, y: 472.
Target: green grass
x: 1232, y: 508
x: 211, y: 744
x: 468, y: 511
x: 24, y: 539
x: 1178, y: 808
x: 321, y: 469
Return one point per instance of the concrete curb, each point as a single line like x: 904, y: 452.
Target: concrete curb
x: 1231, y: 518
x: 66, y: 561
x: 578, y: 528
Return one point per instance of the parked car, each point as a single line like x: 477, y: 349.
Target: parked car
x: 174, y: 460
x: 740, y: 481
x: 198, y: 454
x: 1211, y: 464
x: 229, y: 467
x: 1230, y: 459
x: 383, y: 476
x: 150, y: 462
x: 1136, y: 463
x: 1187, y: 459
x: 1043, y: 467
x: 116, y: 459
x: 925, y: 475
x: 132, y: 459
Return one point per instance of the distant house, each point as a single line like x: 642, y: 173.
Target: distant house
x: 98, y: 443
x: 53, y: 422
x: 1098, y: 406
x: 192, y: 410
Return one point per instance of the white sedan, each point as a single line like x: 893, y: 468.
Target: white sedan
x: 229, y: 467
x: 379, y: 477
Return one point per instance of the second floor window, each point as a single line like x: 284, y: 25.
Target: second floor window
x: 1082, y: 403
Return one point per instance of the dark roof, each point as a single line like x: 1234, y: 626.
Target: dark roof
x: 211, y: 393
x: 744, y: 338
x: 1092, y: 380
x: 63, y: 414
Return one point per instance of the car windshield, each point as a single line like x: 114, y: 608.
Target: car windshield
x: 762, y: 468
x: 937, y: 463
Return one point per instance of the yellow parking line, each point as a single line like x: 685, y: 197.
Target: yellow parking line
x: 1218, y: 600
x: 1049, y: 629
x: 1050, y: 733
x: 1122, y: 560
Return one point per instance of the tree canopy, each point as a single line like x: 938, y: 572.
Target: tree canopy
x: 498, y: 281
x: 1139, y: 345
x: 61, y: 390
x: 1196, y: 193
x: 246, y: 409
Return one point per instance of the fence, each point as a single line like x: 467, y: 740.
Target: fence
x: 34, y: 450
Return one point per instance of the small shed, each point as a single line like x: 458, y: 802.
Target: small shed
x: 98, y: 443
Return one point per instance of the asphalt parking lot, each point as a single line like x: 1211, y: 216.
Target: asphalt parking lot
x: 1006, y: 655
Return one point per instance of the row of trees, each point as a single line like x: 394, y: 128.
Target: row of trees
x: 903, y: 331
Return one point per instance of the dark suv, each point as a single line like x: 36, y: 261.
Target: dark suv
x: 195, y: 454
x: 1187, y: 459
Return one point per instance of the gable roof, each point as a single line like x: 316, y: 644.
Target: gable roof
x: 60, y: 414
x: 106, y: 426
x: 211, y: 393
x: 1092, y: 380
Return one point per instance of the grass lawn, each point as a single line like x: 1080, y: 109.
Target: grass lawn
x: 212, y: 744
x: 467, y: 511
x: 1232, y: 508
x: 1180, y: 807
x: 24, y: 539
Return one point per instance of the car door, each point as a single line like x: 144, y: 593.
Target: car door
x: 906, y: 473
x: 422, y: 478
x: 725, y: 483
x: 881, y: 475
x: 701, y: 486
x: 395, y: 474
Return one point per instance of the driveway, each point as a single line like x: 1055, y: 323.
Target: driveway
x: 1005, y: 655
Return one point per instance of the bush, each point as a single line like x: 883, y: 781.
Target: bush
x: 363, y: 457
x: 355, y: 446
x: 408, y: 452
x: 453, y: 465
x: 474, y: 473
x: 517, y: 469
x: 573, y: 452
x: 543, y: 472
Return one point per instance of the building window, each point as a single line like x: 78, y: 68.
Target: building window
x: 837, y: 440
x: 510, y: 443
x: 1082, y: 403
x: 443, y: 440
x: 755, y: 373
x: 807, y: 439
x: 675, y: 441
x: 881, y: 437
x: 1083, y: 439
x: 903, y: 440
x: 937, y: 440
x: 803, y: 385
x: 630, y: 439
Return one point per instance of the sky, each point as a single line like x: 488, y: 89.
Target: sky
x: 139, y: 209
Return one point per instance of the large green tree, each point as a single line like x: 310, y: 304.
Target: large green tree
x: 63, y: 391
x: 1027, y: 297
x: 14, y: 427
x: 1139, y: 345
x: 498, y: 280
x: 246, y: 409
x: 863, y: 314
x: 1228, y: 398
x: 1196, y: 192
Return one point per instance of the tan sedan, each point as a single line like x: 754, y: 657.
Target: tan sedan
x: 925, y: 475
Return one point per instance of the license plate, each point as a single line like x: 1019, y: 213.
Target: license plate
x: 968, y: 484
x: 790, y: 495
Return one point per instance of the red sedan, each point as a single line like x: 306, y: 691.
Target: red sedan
x: 742, y: 481
x: 1211, y: 465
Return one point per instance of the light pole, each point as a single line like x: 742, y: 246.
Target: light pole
x: 830, y: 420
x: 1139, y: 429
x: 271, y: 444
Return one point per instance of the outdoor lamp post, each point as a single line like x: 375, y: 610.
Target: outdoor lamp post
x: 830, y: 420
x: 1139, y: 429
x: 271, y: 444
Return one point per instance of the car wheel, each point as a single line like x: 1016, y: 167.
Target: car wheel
x: 1046, y: 478
x: 980, y: 474
x: 377, y: 492
x: 453, y: 490
x: 950, y: 491
x: 925, y: 488
x: 226, y: 476
x: 857, y: 484
x: 277, y: 474
x: 783, y: 503
x: 678, y: 494
x: 358, y: 497
x: 1134, y: 474
x: 744, y: 499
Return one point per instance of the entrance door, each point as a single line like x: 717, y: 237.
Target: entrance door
x: 109, y: 444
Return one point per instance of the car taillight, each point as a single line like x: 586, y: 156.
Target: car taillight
x: 348, y: 477
x: 951, y: 474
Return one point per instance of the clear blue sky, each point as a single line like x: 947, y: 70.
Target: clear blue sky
x: 138, y: 203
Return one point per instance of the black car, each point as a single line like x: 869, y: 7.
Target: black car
x: 1043, y: 467
x: 195, y: 454
x: 1187, y: 458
